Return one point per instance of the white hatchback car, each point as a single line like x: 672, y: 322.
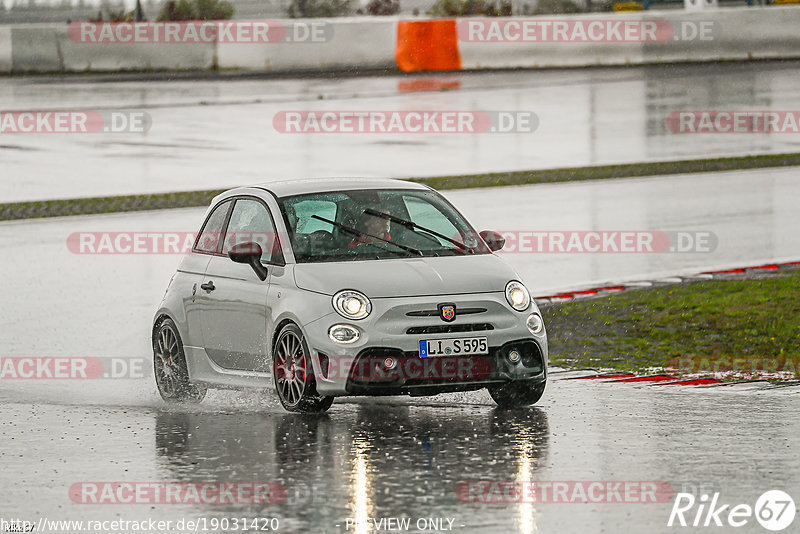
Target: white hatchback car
x: 346, y: 287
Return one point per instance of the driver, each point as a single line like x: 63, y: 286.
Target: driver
x: 372, y: 225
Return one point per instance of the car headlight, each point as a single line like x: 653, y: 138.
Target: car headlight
x: 344, y: 334
x: 535, y: 324
x: 517, y: 296
x: 352, y: 304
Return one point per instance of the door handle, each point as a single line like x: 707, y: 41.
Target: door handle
x: 208, y: 286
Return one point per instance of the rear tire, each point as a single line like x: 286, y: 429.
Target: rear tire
x: 517, y: 394
x: 293, y: 373
x: 169, y: 366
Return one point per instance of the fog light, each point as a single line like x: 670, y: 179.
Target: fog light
x: 344, y: 334
x: 390, y: 363
x: 535, y: 324
x: 514, y: 355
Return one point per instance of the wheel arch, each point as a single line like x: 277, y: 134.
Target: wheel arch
x: 160, y: 317
x: 280, y: 326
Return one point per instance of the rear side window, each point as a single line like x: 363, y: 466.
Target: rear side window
x: 251, y: 222
x: 211, y: 232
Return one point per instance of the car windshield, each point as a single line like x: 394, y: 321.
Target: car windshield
x: 376, y: 224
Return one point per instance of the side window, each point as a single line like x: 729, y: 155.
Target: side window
x: 306, y: 208
x: 210, y: 234
x: 251, y: 222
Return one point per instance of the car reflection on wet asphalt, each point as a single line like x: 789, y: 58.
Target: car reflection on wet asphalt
x: 379, y: 461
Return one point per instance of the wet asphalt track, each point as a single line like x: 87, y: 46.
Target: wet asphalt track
x: 209, y: 134
x: 395, y: 457
x: 102, y: 304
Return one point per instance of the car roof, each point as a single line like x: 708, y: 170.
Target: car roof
x: 285, y: 188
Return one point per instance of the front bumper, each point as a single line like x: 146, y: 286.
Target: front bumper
x: 390, y: 332
x: 413, y: 375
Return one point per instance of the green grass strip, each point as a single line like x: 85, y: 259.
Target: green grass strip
x: 115, y: 204
x: 749, y: 325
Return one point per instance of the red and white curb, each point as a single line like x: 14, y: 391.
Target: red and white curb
x: 611, y: 289
x: 669, y: 380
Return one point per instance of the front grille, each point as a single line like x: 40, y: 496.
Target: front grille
x: 449, y: 328
x: 435, y: 313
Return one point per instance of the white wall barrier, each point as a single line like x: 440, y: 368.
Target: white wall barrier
x: 34, y: 48
x: 732, y: 34
x: 352, y: 43
x: 79, y: 56
x: 5, y: 49
x: 318, y: 44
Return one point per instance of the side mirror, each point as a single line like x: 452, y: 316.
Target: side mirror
x: 494, y: 240
x: 249, y: 253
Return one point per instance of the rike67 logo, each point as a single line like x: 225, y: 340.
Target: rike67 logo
x: 774, y: 510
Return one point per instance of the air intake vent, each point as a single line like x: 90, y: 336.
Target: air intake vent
x: 449, y: 328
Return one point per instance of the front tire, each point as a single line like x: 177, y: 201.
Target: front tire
x: 293, y: 373
x: 517, y: 394
x: 169, y: 366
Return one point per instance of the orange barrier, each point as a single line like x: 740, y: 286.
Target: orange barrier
x: 430, y: 45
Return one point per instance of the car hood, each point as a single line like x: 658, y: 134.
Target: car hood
x: 480, y: 273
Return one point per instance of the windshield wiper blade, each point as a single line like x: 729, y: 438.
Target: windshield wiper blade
x: 412, y: 224
x: 353, y: 231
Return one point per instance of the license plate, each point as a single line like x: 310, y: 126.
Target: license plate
x: 453, y: 347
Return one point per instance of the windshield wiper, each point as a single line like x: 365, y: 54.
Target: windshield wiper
x: 353, y: 231
x: 412, y: 224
